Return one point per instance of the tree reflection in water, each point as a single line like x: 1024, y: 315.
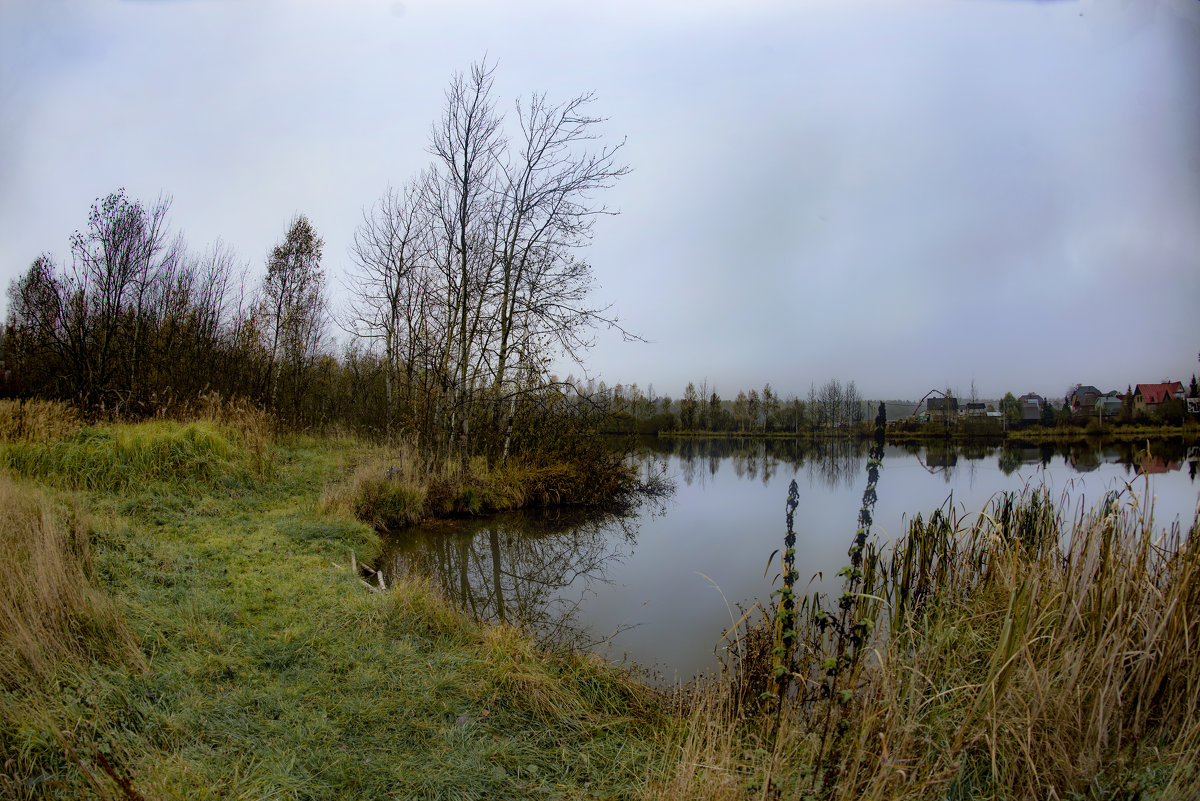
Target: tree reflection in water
x: 837, y: 464
x: 531, y: 570
x: 827, y: 463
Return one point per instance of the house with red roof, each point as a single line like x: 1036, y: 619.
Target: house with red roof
x: 1149, y: 397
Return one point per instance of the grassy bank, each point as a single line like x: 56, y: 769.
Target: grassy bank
x: 174, y: 626
x: 389, y: 488
x: 1013, y: 655
x: 1189, y: 432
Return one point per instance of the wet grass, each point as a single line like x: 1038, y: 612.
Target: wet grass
x: 234, y: 659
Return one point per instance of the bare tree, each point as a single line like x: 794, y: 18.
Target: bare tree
x: 389, y: 288
x: 135, y: 321
x: 467, y: 143
x: 216, y: 289
x: 472, y: 276
x: 815, y: 407
x: 544, y: 215
x: 740, y: 409
x: 294, y: 309
x: 853, y: 404
x: 92, y: 318
x: 796, y: 408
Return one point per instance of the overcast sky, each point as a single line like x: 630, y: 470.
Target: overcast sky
x: 907, y: 193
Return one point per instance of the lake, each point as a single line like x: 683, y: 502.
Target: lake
x: 659, y: 587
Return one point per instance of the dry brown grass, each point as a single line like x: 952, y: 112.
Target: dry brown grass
x: 1049, y: 658
x: 36, y: 420
x: 50, y: 610
x: 392, y: 487
x: 384, y: 489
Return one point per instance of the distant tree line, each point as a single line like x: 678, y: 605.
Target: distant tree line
x: 833, y: 405
x: 467, y: 282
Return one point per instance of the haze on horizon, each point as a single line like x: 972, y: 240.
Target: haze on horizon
x: 909, y: 194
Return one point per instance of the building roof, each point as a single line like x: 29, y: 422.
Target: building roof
x: 1157, y: 393
x: 1155, y: 464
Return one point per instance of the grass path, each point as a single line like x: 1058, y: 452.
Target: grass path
x: 272, y: 674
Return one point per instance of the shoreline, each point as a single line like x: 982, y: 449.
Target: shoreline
x: 1032, y: 435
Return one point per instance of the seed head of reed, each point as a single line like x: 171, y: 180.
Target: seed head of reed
x: 37, y: 420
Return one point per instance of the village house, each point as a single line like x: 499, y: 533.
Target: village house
x: 1081, y: 400
x: 1147, y: 398
x: 1109, y: 404
x: 1031, y: 407
x: 941, y: 409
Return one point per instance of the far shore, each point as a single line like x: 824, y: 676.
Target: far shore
x: 903, y: 431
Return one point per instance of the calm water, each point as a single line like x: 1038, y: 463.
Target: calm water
x: 661, y: 586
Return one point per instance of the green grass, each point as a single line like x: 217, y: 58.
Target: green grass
x: 263, y: 671
x: 905, y: 431
x: 180, y: 457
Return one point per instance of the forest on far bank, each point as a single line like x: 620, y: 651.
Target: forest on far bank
x: 834, y: 408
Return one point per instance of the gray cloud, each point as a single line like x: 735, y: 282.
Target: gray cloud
x: 900, y: 193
